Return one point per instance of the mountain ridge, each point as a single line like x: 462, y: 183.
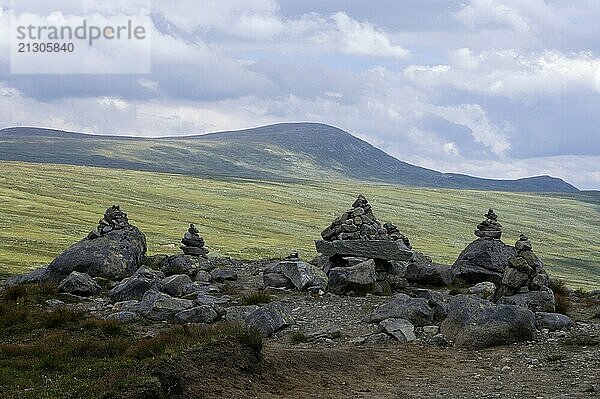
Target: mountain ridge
x: 279, y: 151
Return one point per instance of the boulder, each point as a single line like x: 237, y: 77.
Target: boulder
x: 423, y: 271
x: 552, y: 321
x: 475, y: 323
x: 483, y: 260
x: 222, y: 275
x: 203, y: 276
x: 437, y: 301
x: 400, y: 329
x: 303, y: 275
x: 269, y: 319
x: 156, y: 262
x: 482, y: 290
x: 277, y: 280
x: 184, y: 264
x: 199, y: 314
x: 537, y: 301
x: 79, y: 284
x: 177, y: 285
x: 114, y: 255
x: 372, y: 249
x: 134, y: 287
x: 237, y: 314
x: 159, y: 306
x: 401, y: 306
x: 358, y: 278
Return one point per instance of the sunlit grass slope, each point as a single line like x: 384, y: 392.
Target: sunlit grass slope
x: 45, y: 208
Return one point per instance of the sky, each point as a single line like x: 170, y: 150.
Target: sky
x: 490, y: 88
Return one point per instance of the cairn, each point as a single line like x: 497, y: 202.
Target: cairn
x: 193, y: 244
x: 524, y: 273
x: 114, y: 219
x: 359, y: 223
x: 489, y: 228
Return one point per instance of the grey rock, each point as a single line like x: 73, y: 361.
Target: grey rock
x: 423, y: 271
x: 239, y: 313
x: 203, y: 276
x: 114, y: 255
x: 552, y: 321
x: 358, y: 278
x: 35, y: 276
x: 483, y: 260
x: 537, y: 301
x: 303, y: 275
x: 177, y: 285
x: 323, y: 263
x: 199, y: 314
x: 156, y: 262
x: 437, y: 301
x: 269, y: 319
x: 134, y: 287
x: 79, y: 284
x: 205, y: 299
x: 123, y: 317
x: 439, y: 340
x: 184, y: 264
x: 401, y: 306
x: 475, y: 323
x: 277, y: 280
x: 222, y: 275
x: 159, y: 306
x: 401, y: 329
x: 372, y: 339
x: 482, y: 290
x: 52, y: 303
x: 128, y: 306
x: 372, y: 249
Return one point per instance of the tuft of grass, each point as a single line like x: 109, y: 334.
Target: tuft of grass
x: 298, y: 337
x: 105, y: 327
x: 256, y: 298
x: 29, y: 293
x: 561, y: 295
x: 61, y: 316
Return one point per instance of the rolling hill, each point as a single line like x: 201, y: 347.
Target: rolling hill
x: 291, y: 151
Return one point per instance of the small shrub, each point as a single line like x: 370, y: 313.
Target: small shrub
x: 256, y: 298
x: 298, y: 337
x: 12, y: 314
x: 29, y: 293
x: 106, y: 327
x: 61, y: 316
x: 561, y: 295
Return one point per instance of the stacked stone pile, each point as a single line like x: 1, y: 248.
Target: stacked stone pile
x: 360, y: 255
x: 525, y: 282
x: 193, y: 244
x: 114, y: 219
x: 359, y: 223
x: 489, y: 228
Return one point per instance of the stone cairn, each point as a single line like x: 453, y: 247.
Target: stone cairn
x: 489, y: 228
x: 359, y: 223
x: 360, y: 255
x: 524, y: 272
x: 114, y: 219
x: 193, y: 244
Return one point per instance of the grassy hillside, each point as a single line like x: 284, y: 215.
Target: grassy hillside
x: 45, y: 208
x: 278, y: 152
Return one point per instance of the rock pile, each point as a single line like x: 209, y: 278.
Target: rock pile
x: 359, y: 223
x: 193, y: 244
x: 114, y: 219
x: 485, y: 258
x: 489, y: 228
x: 525, y: 281
x: 360, y: 255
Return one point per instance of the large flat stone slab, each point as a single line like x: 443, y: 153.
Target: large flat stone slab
x: 374, y: 249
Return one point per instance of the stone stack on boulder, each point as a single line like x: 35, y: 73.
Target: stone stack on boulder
x: 115, y: 250
x: 525, y: 281
x: 193, y: 244
x: 485, y: 258
x: 114, y: 219
x: 360, y: 255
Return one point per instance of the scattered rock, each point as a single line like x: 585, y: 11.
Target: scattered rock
x: 439, y: 340
x: 134, y: 287
x: 402, y: 306
x: 222, y: 275
x: 358, y: 278
x: 123, y: 317
x: 475, y: 323
x: 537, y: 301
x: 400, y: 329
x: 422, y: 270
x: 199, y: 314
x: 239, y: 313
x: 79, y: 284
x: 552, y: 321
x: 177, y: 285
x: 483, y: 290
x: 159, y: 306
x: 269, y: 319
x: 303, y: 275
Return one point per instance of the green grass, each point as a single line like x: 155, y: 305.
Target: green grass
x: 45, y: 208
x: 64, y: 353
